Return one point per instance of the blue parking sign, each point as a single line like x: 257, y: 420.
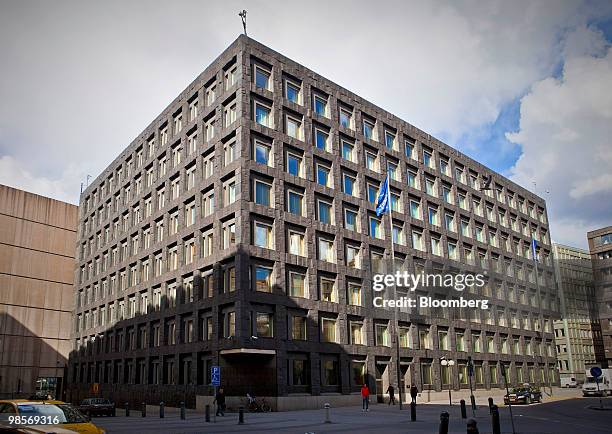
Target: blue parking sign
x: 215, y: 375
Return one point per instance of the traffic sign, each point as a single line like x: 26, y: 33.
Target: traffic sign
x: 215, y: 375
x: 596, y: 371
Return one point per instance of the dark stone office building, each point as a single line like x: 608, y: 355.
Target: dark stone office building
x: 239, y: 230
x: 600, y: 248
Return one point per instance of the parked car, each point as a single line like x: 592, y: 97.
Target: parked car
x: 525, y: 394
x: 22, y: 414
x: 97, y: 407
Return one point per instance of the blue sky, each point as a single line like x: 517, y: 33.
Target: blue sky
x: 522, y: 87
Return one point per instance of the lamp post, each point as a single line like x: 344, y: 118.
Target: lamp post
x: 448, y: 363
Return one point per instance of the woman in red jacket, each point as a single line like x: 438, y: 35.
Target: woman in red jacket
x: 365, y: 396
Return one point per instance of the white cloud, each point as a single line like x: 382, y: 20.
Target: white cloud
x: 66, y: 187
x: 566, y: 137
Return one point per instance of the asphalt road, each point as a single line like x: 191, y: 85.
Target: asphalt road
x: 568, y: 416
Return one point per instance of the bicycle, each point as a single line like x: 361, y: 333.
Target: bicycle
x: 254, y: 406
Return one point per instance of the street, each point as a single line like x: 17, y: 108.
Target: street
x: 553, y: 417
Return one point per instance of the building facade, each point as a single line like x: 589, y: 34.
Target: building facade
x: 577, y: 332
x: 37, y: 240
x: 600, y: 247
x: 239, y: 230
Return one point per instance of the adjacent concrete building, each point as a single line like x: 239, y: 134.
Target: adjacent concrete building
x: 577, y: 333
x: 600, y: 247
x: 239, y: 230
x: 37, y: 242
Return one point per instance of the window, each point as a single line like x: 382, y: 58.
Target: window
x: 298, y: 328
x: 430, y: 187
x: 262, y: 78
x: 191, y: 177
x: 190, y: 213
x: 322, y: 139
x: 293, y: 127
x: 413, y: 180
x: 178, y: 123
x: 264, y: 325
x: 371, y: 160
x: 296, y: 242
x: 368, y: 129
x: 229, y: 114
x: 356, y: 330
x: 208, y: 203
x: 427, y: 159
x: 326, y: 249
x: 297, y: 284
x: 193, y: 110
x: 382, y: 335
x: 263, y: 114
x: 320, y: 105
x: 262, y: 152
x: 376, y: 230
x: 230, y: 76
x: 210, y: 94
x: 323, y: 175
x: 295, y: 202
x: 433, y: 216
x: 328, y: 330
x: 229, y: 151
x: 354, y: 294
x: 349, y: 185
x: 390, y: 141
x: 209, y: 166
x: 207, y: 243
x: 263, y: 278
x: 229, y: 234
x: 263, y: 235
x: 415, y: 209
x: 229, y: 192
x: 435, y: 245
x: 294, y: 164
x: 398, y: 234
x: 372, y: 191
x: 353, y: 258
x: 348, y: 150
x: 324, y: 212
x: 345, y: 117
x: 351, y: 219
x: 417, y: 240
x: 209, y: 129
x: 392, y: 171
x: 293, y: 91
x: 263, y: 193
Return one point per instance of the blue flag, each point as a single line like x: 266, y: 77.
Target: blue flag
x: 534, y: 245
x: 382, y: 203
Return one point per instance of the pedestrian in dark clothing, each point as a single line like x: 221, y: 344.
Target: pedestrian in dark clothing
x: 365, y: 396
x: 413, y: 393
x: 220, y: 400
x: 391, y: 392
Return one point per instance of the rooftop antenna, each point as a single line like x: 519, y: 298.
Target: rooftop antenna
x: 243, y: 15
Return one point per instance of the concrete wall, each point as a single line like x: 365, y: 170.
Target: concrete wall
x: 37, y: 244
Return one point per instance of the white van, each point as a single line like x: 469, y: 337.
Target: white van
x: 569, y: 382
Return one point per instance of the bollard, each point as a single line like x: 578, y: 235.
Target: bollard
x: 182, y: 410
x: 144, y: 409
x: 495, y: 419
x: 207, y: 413
x: 413, y: 411
x: 127, y: 409
x: 473, y: 402
x: 161, y: 410
x: 472, y: 427
x: 463, y: 409
x: 490, y: 404
x: 327, y: 419
x: 240, y: 415
x: 443, y: 423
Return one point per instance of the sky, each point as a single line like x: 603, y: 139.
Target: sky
x: 523, y: 87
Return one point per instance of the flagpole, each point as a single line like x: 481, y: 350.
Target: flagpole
x: 395, y: 319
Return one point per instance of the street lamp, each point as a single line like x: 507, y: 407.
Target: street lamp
x: 448, y: 363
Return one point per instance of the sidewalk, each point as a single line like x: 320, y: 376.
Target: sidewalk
x: 482, y: 396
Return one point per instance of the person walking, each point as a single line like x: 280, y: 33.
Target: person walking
x: 391, y: 392
x: 413, y: 393
x: 220, y: 400
x: 365, y: 396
